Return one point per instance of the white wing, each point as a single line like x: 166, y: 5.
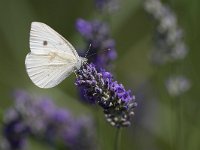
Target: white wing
x: 47, y: 71
x: 52, y: 58
x: 43, y: 38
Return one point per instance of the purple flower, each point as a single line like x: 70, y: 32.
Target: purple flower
x: 118, y: 104
x: 107, y: 5
x: 80, y: 133
x: 97, y: 34
x: 102, y: 50
x: 84, y: 27
x: 39, y: 117
x: 15, y: 130
x: 100, y: 3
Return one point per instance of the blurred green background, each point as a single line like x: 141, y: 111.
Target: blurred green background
x: 155, y: 126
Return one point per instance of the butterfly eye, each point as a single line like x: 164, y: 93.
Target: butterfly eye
x: 44, y: 43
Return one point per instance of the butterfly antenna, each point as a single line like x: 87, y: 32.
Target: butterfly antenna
x: 99, y: 53
x: 86, y: 54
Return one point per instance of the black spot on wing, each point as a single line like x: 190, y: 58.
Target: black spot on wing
x: 45, y: 43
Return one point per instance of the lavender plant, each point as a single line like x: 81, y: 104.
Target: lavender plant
x: 170, y: 47
x: 97, y: 85
x: 169, y: 44
x: 109, y: 6
x: 96, y: 33
x: 15, y: 131
x: 100, y: 88
x: 177, y: 85
x: 40, y: 118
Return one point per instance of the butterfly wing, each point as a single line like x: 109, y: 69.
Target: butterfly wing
x: 51, y: 59
x: 43, y: 39
x: 46, y: 72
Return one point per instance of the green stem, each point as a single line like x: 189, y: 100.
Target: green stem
x: 179, y: 131
x: 117, y: 139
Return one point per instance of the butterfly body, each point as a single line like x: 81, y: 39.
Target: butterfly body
x: 52, y: 57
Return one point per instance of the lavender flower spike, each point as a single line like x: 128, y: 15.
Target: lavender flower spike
x: 40, y: 118
x: 97, y: 33
x: 107, y: 5
x: 177, y: 85
x: 169, y: 42
x: 118, y: 104
x: 15, y: 131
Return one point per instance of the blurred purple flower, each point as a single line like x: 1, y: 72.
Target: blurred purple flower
x: 84, y: 27
x: 118, y: 104
x: 97, y: 34
x: 80, y: 133
x: 39, y: 117
x: 15, y: 130
x: 107, y: 5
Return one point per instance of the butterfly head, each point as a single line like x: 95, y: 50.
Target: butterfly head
x: 81, y: 61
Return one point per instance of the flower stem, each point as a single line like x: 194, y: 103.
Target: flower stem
x: 117, y: 139
x: 179, y: 129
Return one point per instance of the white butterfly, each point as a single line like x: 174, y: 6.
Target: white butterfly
x: 52, y: 57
